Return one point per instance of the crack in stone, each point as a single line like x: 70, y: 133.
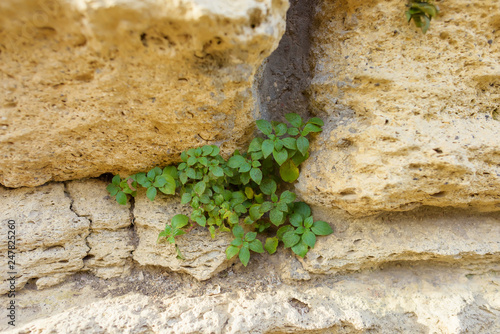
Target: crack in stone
x: 67, y: 193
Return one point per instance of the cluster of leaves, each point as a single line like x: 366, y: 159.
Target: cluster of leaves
x: 422, y: 12
x: 240, y: 194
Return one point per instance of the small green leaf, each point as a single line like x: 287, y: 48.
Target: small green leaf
x: 236, y: 161
x: 254, y: 212
x: 256, y: 246
x: 215, y: 151
x: 112, y: 189
x: 296, y: 219
x: 268, y: 186
x: 186, y: 198
x: 233, y: 218
x: 290, y: 143
x: 255, y: 145
x: 298, y: 158
x: 151, y: 175
x: 309, y: 238
x: 274, y: 197
x: 276, y: 217
x: 141, y: 178
x: 245, y: 167
x: 183, y: 178
x: 280, y: 129
x: 244, y: 254
x: 184, y: 156
x: 179, y: 221
x: 200, y: 187
x: 317, y: 121
x: 287, y: 197
x: 280, y: 156
x: 265, y: 207
x: 267, y: 147
x: 289, y: 171
x: 250, y: 236
x: 249, y: 191
x: 245, y: 178
x: 217, y: 171
x: 303, y: 145
x: 121, y: 198
x: 271, y: 245
x: 191, y: 173
x: 264, y: 126
x: 308, y: 222
x: 237, y: 242
x: 151, y: 193
x: 240, y: 208
x: 282, y: 230
x: 238, y: 231
x: 290, y: 239
x: 160, y: 181
x: 321, y: 228
x: 231, y: 251
x: 116, y: 180
x: 300, y: 249
x: 206, y: 150
x: 203, y: 161
x: 293, y: 131
x: 170, y: 170
x: 278, y: 145
x: 256, y: 175
x: 201, y: 220
x: 310, y: 128
x: 294, y: 119
x: 302, y: 209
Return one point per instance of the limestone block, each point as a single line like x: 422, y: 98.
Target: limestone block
x: 92, y: 200
x: 119, y: 86
x: 50, y: 238
x: 412, y: 118
x: 203, y: 256
x: 110, y: 252
x: 431, y: 235
x: 411, y: 301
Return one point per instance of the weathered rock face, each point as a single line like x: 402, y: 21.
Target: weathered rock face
x: 50, y: 239
x: 119, y: 86
x: 413, y: 117
x: 203, y: 256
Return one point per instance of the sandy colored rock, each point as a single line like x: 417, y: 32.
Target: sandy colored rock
x: 91, y: 199
x: 50, y: 238
x: 412, y: 118
x: 120, y: 86
x: 111, y: 241
x: 431, y: 235
x: 110, y: 252
x: 411, y: 300
x: 203, y: 256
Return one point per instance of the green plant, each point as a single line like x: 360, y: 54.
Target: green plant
x: 422, y: 12
x: 244, y: 191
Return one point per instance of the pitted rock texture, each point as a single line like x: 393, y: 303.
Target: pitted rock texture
x: 111, y: 240
x: 412, y: 300
x: 50, y: 238
x: 431, y: 235
x: 412, y: 118
x: 120, y: 86
x: 203, y: 256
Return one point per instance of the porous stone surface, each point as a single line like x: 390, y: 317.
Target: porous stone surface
x: 50, y: 239
x: 203, y: 256
x: 119, y: 86
x: 412, y: 118
x: 431, y: 235
x: 111, y: 239
x: 408, y: 299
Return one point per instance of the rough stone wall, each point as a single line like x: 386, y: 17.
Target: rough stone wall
x: 413, y: 118
x: 121, y: 86
x: 415, y: 210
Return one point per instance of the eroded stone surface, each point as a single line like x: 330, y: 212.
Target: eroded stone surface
x: 453, y: 237
x: 120, y: 86
x: 111, y: 241
x: 203, y: 256
x: 397, y: 300
x: 50, y: 238
x: 412, y: 118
